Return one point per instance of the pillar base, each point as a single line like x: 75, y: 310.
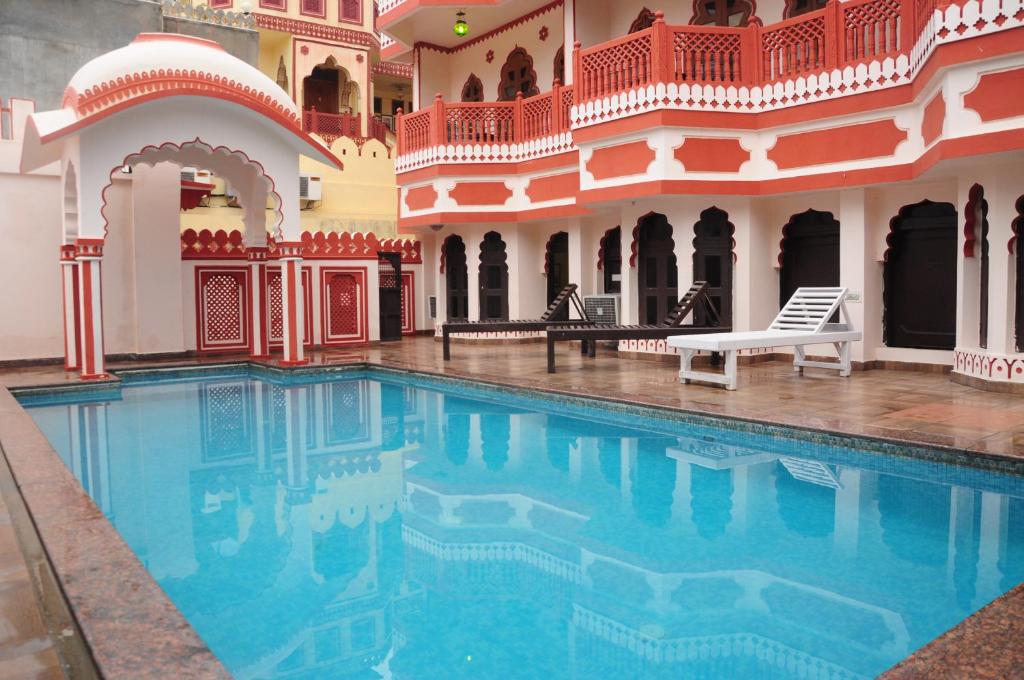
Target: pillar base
x: 96, y: 376
x: 261, y: 357
x: 300, y: 362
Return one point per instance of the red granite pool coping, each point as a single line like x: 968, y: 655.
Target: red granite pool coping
x: 135, y: 632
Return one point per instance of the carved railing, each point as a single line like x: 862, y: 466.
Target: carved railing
x: 470, y: 123
x: 841, y: 34
x: 330, y: 126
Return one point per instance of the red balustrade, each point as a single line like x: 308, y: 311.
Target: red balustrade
x: 795, y: 47
x: 522, y: 120
x: 330, y: 126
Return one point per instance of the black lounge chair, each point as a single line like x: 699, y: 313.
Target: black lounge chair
x: 561, y: 301
x: 589, y: 335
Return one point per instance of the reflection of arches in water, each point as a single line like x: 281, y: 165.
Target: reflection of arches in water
x: 915, y: 518
x: 392, y: 406
x: 390, y: 553
x: 653, y: 481
x: 710, y: 500
x: 345, y: 409
x: 495, y: 431
x: 609, y: 457
x: 340, y: 552
x: 456, y: 438
x: 808, y: 509
x: 558, y: 446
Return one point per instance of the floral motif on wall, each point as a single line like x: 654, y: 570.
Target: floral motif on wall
x: 490, y: 56
x: 543, y: 35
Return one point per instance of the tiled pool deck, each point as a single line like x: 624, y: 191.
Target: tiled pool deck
x: 113, y: 597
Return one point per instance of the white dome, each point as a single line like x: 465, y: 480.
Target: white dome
x: 165, y: 64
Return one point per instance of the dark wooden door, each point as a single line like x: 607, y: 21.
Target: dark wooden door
x: 390, y: 277
x: 611, y: 260
x: 810, y: 253
x: 456, y: 277
x: 493, y: 278
x: 712, y: 262
x: 1018, y: 245
x: 657, y: 274
x: 920, y: 278
x: 558, y: 271
x: 320, y: 91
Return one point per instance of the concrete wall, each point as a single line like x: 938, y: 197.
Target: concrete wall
x: 43, y: 42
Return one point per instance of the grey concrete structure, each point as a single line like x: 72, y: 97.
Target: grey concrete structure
x: 43, y: 42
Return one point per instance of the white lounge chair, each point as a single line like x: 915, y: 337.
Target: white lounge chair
x: 803, y: 321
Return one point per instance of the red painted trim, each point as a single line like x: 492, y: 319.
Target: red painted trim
x: 975, y: 200
x: 362, y: 275
x: 412, y: 5
x: 307, y: 305
x: 88, y: 337
x: 273, y: 22
x: 276, y: 5
x: 476, y: 216
x: 711, y: 154
x: 875, y: 139
x: 292, y: 303
x: 568, y: 161
x: 997, y: 95
x: 934, y: 118
x: 410, y: 303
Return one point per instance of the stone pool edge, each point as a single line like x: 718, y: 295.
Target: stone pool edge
x: 130, y: 628
x: 175, y: 644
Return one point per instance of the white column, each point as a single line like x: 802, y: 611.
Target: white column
x: 1002, y: 193
x: 89, y: 254
x: 258, y: 301
x: 628, y: 312
x: 856, y: 269
x: 992, y: 542
x: 295, y: 408
x: 577, y: 272
x: 292, y: 303
x: 69, y: 285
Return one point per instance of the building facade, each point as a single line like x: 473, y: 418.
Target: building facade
x: 759, y: 146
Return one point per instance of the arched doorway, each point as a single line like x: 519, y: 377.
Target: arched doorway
x: 517, y: 75
x: 734, y: 13
x: 712, y: 262
x: 920, y: 277
x: 657, y: 274
x: 810, y: 253
x: 610, y: 260
x: 795, y: 8
x: 556, y: 266
x: 493, y: 278
x: 456, y: 277
x: 644, y: 20
x: 329, y: 89
x: 473, y: 89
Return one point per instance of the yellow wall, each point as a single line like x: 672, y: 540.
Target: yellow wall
x: 362, y: 197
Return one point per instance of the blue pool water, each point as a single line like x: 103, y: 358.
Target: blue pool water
x: 376, y: 527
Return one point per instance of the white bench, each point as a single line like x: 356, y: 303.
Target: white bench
x: 803, y: 321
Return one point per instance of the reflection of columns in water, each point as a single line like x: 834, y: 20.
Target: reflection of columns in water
x: 263, y: 406
x: 739, y: 499
x: 476, y: 446
x: 575, y: 462
x: 848, y: 510
x: 995, y: 509
x: 515, y: 442
x: 295, y: 434
x: 681, y: 511
x: 495, y: 430
x: 961, y: 563
x: 90, y: 452
x: 628, y: 460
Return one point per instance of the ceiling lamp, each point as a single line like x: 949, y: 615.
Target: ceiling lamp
x: 461, y: 28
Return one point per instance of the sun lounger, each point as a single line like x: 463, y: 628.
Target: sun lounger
x: 669, y: 327
x: 803, y: 321
x: 562, y: 300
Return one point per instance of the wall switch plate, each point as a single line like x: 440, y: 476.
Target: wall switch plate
x: 853, y: 296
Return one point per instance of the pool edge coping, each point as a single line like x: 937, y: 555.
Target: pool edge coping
x: 184, y: 636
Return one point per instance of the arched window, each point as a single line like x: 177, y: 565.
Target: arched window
x: 722, y: 12
x: 795, y: 8
x: 456, y: 277
x: 493, y: 278
x: 809, y: 253
x: 559, y: 69
x: 643, y: 20
x: 517, y: 75
x: 656, y: 268
x: 473, y: 90
x: 712, y: 262
x: 976, y: 216
x: 610, y: 260
x: 1018, y: 229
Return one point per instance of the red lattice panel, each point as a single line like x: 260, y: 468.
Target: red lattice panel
x: 408, y: 304
x: 386, y: 274
x: 623, y: 65
x: 416, y: 131
x: 222, y: 309
x: 480, y: 123
x: 342, y: 305
x: 870, y: 29
x: 331, y: 126
x: 566, y: 108
x: 795, y: 48
x: 706, y: 56
x: 537, y: 121
x: 275, y: 307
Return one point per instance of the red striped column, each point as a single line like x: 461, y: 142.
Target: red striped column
x: 258, y: 301
x: 69, y: 290
x: 89, y: 254
x: 290, y: 256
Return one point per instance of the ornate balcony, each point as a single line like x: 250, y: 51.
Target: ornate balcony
x: 331, y: 126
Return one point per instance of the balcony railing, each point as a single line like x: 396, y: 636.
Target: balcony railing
x: 522, y: 120
x: 839, y: 35
x: 331, y: 126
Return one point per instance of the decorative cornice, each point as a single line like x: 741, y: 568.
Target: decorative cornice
x: 315, y: 30
x: 230, y: 245
x: 392, y: 68
x: 504, y: 28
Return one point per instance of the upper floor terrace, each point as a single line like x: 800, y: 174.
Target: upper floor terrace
x: 718, y: 77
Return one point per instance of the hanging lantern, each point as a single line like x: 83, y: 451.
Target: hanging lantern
x: 461, y: 28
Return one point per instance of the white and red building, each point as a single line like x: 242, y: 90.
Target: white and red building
x: 758, y: 145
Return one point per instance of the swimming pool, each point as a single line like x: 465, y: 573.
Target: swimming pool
x: 371, y: 523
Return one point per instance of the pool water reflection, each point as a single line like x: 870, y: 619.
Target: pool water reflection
x: 370, y: 528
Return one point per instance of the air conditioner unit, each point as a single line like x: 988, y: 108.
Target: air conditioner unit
x: 310, y: 189
x: 602, y: 308
x: 188, y: 174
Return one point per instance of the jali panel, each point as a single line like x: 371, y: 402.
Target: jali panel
x: 222, y: 309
